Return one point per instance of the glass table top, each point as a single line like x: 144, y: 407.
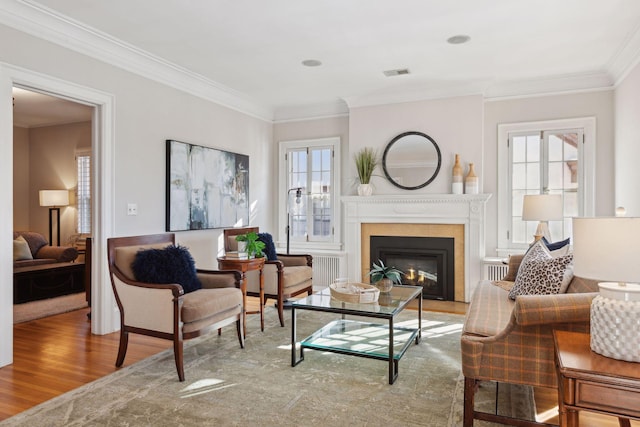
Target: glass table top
x: 388, y: 304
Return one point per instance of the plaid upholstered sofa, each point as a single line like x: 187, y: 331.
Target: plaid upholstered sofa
x: 511, y: 341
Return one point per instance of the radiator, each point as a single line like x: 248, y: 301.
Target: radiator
x: 326, y: 268
x: 494, y: 269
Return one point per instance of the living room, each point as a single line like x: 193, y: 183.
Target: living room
x: 141, y: 106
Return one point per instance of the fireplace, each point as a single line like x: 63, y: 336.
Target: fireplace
x: 426, y: 262
x: 460, y: 216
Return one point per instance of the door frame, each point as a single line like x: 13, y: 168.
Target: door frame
x: 104, y: 316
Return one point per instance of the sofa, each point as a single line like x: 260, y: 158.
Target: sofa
x: 510, y: 341
x: 42, y: 271
x: 41, y: 252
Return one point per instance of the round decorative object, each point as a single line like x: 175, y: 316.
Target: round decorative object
x: 385, y: 284
x: 354, y: 292
x: 365, y: 190
x: 615, y: 321
x: 411, y: 160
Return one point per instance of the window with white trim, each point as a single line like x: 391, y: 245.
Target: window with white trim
x: 309, y: 174
x: 83, y: 193
x: 554, y: 157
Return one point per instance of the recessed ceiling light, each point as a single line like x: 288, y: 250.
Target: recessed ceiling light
x: 459, y: 39
x: 397, y: 72
x: 311, y: 63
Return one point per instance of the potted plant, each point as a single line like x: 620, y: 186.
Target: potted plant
x: 366, y: 162
x: 383, y: 277
x: 253, y: 246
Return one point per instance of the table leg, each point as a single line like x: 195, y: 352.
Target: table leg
x: 419, y: 336
x: 294, y: 359
x: 243, y: 288
x: 392, y: 371
x: 261, y: 300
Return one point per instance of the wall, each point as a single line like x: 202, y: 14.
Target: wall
x: 454, y: 123
x: 146, y: 113
x: 53, y: 167
x: 21, y: 170
x: 627, y: 129
x: 597, y: 104
x: 314, y: 129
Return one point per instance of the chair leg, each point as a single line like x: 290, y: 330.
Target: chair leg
x: 281, y: 309
x: 122, y: 349
x: 469, y: 394
x: 240, y: 332
x: 178, y: 354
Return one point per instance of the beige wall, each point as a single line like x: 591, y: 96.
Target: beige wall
x: 21, y: 169
x: 591, y: 104
x: 53, y: 167
x: 627, y: 153
x: 454, y: 123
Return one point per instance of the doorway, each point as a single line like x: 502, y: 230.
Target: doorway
x: 104, y: 317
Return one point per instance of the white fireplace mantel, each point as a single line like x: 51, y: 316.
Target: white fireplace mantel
x: 466, y: 209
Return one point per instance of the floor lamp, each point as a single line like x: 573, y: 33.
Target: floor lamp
x: 298, y: 191
x: 54, y: 199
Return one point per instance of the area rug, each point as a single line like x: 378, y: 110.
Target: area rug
x: 229, y: 386
x: 48, y: 307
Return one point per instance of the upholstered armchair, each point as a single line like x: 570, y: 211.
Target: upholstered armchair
x: 288, y: 276
x: 165, y: 310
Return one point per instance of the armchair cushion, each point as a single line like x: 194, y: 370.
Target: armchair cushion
x: 269, y: 246
x: 172, y: 264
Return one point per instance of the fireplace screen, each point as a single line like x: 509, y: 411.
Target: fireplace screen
x: 425, y: 261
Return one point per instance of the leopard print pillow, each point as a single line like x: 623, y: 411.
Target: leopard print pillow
x: 540, y: 273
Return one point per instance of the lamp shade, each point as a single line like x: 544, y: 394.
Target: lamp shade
x: 54, y: 197
x: 542, y: 207
x: 606, y: 248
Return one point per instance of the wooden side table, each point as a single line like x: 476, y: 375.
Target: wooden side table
x: 591, y: 382
x: 244, y: 265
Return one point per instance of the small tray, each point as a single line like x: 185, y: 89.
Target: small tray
x: 364, y: 293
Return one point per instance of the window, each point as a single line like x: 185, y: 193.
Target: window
x: 83, y: 196
x: 308, y: 183
x: 544, y: 157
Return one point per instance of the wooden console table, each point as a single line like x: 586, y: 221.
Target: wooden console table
x: 591, y: 382
x: 244, y: 265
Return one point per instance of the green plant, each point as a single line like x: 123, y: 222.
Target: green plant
x: 380, y: 271
x: 366, y: 162
x: 254, y: 246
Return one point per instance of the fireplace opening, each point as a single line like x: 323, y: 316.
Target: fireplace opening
x: 425, y: 261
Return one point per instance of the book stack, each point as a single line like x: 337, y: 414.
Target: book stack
x: 236, y: 255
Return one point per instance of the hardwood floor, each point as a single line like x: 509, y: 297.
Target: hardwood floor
x: 55, y: 355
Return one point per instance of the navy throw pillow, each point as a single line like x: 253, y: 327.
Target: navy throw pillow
x: 269, y: 246
x: 556, y: 245
x: 173, y: 264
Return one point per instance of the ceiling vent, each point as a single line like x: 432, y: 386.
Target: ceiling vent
x: 398, y: 72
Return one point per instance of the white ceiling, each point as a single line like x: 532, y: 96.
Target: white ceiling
x: 255, y: 48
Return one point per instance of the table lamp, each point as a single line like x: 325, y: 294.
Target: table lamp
x: 54, y: 199
x: 543, y: 208
x: 607, y: 249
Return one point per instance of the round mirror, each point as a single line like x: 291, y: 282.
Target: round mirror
x: 411, y: 160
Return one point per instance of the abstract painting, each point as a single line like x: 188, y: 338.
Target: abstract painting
x: 206, y: 188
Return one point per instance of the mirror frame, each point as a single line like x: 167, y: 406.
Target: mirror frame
x: 393, y: 141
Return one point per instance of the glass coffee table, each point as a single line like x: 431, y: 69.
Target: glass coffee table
x: 381, y: 341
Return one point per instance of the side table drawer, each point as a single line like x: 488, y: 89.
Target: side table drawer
x: 608, y: 398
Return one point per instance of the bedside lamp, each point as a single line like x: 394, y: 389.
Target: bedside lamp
x: 543, y: 208
x: 607, y: 249
x: 54, y: 199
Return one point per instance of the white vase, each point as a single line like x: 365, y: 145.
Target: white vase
x: 365, y: 190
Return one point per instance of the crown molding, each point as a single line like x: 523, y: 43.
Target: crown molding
x: 563, y: 84
x: 296, y: 113
x: 626, y: 58
x: 34, y: 19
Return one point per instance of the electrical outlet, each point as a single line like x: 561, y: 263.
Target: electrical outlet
x: 132, y: 209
